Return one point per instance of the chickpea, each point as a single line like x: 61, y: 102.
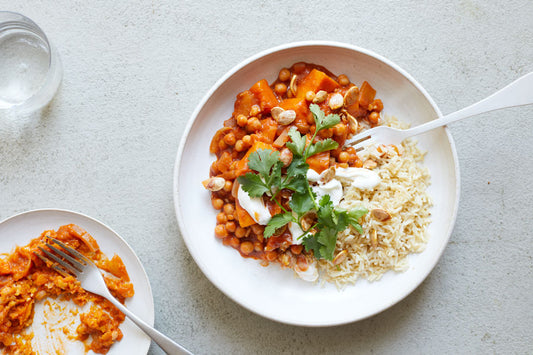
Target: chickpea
x: 339, y: 129
x: 229, y: 139
x: 240, y: 232
x: 222, y: 145
x: 373, y: 118
x: 271, y: 255
x: 280, y: 89
x: 228, y: 185
x: 239, y: 146
x: 247, y: 247
x: 296, y: 249
x: 220, y: 231
x: 242, y: 120
x: 298, y: 68
x: 221, y: 218
x: 310, y: 119
x: 310, y: 95
x: 234, y: 242
x: 343, y: 80
x: 231, y: 226
x: 258, y: 246
x: 303, y: 127
x: 326, y: 133
x: 217, y: 203
x: 229, y: 208
x: 247, y: 140
x: 253, y: 124
x: 284, y: 74
x: 290, y: 94
x: 255, y: 110
x: 257, y: 229
x: 343, y: 157
x: 377, y: 104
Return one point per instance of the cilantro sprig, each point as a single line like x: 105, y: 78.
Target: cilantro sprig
x: 269, y: 180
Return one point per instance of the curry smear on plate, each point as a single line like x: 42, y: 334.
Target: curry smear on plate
x: 25, y: 280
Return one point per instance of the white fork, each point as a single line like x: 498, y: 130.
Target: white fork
x: 518, y: 93
x: 69, y: 261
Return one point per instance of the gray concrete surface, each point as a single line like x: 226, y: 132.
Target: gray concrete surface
x: 133, y: 73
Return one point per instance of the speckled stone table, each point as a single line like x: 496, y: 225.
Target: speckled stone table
x: 135, y: 70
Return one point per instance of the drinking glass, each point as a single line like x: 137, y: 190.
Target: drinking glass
x: 30, y: 68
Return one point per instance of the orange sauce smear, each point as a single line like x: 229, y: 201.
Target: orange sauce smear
x: 25, y: 279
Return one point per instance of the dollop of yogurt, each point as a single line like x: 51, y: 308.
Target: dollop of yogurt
x: 254, y: 206
x: 333, y: 188
x: 361, y: 178
x: 296, y: 233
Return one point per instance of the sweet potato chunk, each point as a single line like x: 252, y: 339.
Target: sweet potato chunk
x: 316, y: 81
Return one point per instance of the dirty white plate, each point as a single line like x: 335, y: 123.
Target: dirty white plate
x: 21, y: 228
x: 270, y: 291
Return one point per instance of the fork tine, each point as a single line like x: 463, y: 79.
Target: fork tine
x: 77, y: 265
x: 358, y: 138
x: 82, y: 258
x: 362, y: 145
x: 54, y: 266
x: 63, y: 263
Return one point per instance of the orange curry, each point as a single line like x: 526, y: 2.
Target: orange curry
x: 25, y: 279
x: 254, y: 125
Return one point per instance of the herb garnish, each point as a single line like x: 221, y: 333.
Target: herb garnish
x: 322, y: 237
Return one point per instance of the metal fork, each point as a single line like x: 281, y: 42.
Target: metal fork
x: 66, y: 260
x: 518, y: 93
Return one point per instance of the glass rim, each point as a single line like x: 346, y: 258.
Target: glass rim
x: 16, y: 20
x: 45, y: 94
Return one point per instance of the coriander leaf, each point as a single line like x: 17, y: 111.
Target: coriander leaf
x: 297, y: 146
x: 325, y: 212
x: 331, y: 222
x: 356, y: 213
x: 297, y: 183
x: 274, y: 180
x: 262, y: 161
x: 353, y: 217
x: 327, y: 238
x: 277, y: 222
x: 330, y: 121
x: 318, y: 114
x: 253, y: 184
x: 298, y: 167
x: 311, y: 243
x: 358, y: 228
x: 322, y: 121
x: 322, y: 146
x: 302, y: 202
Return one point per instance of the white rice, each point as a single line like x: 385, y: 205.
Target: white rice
x: 402, y: 192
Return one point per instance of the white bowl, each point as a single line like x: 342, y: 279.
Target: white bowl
x: 271, y: 291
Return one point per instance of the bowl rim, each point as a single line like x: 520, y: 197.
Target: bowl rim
x: 291, y: 45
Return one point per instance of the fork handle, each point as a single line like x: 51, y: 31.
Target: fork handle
x: 518, y: 93
x: 167, y: 344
